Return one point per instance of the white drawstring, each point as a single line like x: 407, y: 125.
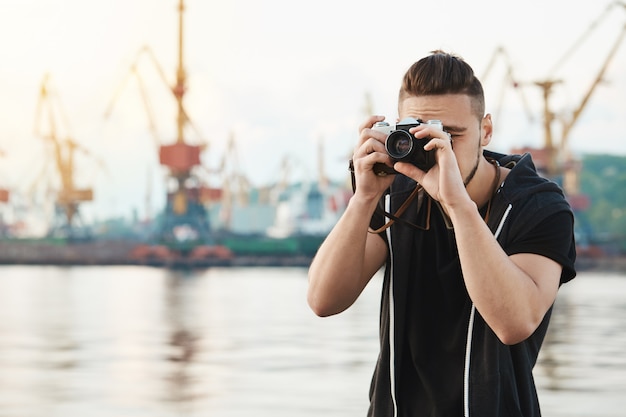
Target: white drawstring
x: 470, y: 330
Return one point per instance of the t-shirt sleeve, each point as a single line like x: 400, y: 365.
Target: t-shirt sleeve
x: 553, y: 238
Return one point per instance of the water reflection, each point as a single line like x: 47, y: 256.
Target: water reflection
x: 136, y: 341
x: 582, y: 366
x: 181, y: 341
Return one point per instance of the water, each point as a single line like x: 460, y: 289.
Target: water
x: 139, y: 341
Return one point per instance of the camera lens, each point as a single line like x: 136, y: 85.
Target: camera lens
x: 399, y: 144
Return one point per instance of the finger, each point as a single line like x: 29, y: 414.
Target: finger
x: 367, y: 162
x: 367, y: 134
x: 374, y: 148
x: 370, y: 122
x: 370, y: 146
x: 438, y: 143
x: 425, y: 130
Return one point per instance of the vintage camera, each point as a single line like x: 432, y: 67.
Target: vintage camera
x: 404, y: 147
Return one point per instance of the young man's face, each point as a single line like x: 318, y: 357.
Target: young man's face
x: 469, y: 134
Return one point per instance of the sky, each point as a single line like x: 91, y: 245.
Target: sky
x: 280, y: 77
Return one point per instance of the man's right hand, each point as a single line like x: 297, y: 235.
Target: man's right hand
x: 371, y: 150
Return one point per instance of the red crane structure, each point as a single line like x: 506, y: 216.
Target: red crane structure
x: 184, y: 228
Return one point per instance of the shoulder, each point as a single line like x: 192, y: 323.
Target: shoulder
x: 530, y: 196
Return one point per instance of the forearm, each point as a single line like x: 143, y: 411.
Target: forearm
x: 511, y: 301
x: 340, y: 269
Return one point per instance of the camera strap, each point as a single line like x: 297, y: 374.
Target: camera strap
x: 401, y: 209
x: 395, y: 217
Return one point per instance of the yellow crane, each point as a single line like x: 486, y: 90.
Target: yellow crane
x: 554, y: 158
x: 559, y: 161
x: 509, y: 81
x: 62, y: 151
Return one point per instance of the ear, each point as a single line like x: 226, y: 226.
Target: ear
x: 486, y: 130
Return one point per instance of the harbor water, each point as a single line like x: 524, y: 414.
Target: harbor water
x: 239, y: 342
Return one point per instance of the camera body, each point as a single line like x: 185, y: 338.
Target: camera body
x: 404, y: 147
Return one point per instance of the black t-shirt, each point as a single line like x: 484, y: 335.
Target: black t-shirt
x: 436, y: 313
x: 431, y: 308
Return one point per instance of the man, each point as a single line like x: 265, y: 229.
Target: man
x: 473, y: 261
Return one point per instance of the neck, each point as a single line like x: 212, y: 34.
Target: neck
x: 485, y: 182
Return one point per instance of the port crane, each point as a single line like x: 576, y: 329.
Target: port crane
x: 554, y: 158
x: 184, y: 228
x: 4, y: 193
x: 558, y: 161
x: 69, y: 196
x: 509, y: 80
x: 235, y: 185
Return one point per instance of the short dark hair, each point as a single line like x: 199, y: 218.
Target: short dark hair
x: 443, y: 73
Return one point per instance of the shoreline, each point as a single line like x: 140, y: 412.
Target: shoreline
x: 120, y: 252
